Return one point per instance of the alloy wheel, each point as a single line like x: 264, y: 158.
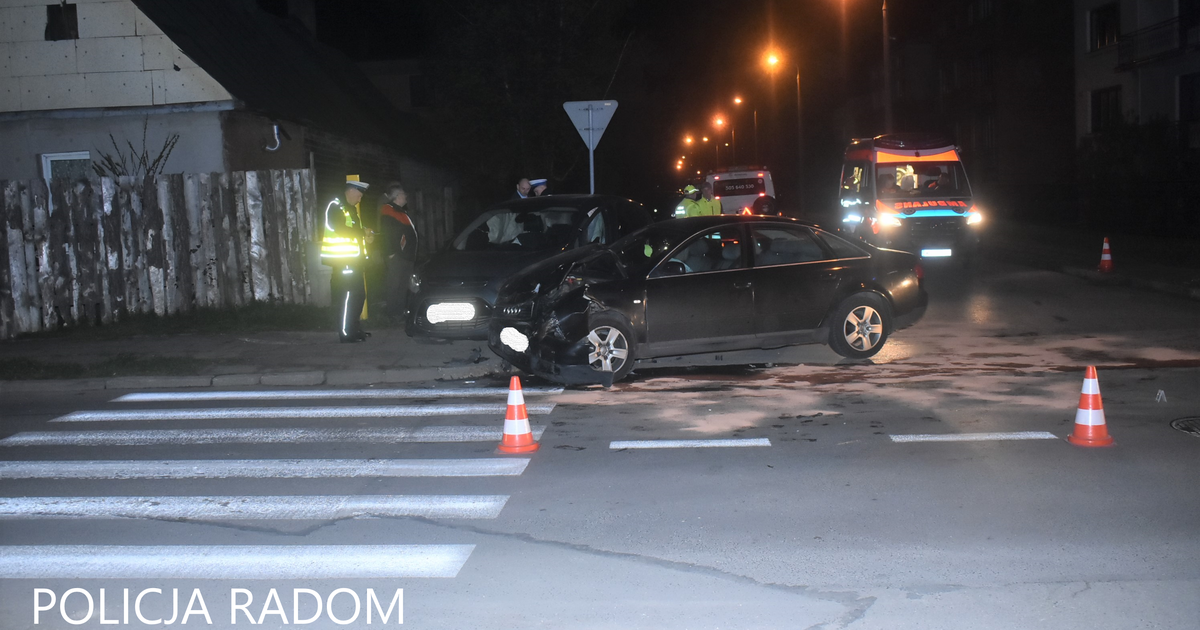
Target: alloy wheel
x: 863, y: 328
x: 609, y: 350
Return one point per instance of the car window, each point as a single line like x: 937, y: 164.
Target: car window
x: 840, y: 247
x: 631, y: 217
x: 595, y: 232
x: 714, y: 250
x: 521, y: 229
x: 785, y: 246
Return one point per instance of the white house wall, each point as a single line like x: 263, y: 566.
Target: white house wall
x: 120, y: 60
x: 199, y: 149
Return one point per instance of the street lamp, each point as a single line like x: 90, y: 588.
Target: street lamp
x: 719, y: 123
x: 772, y: 61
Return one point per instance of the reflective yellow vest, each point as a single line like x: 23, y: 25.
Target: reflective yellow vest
x: 343, y: 239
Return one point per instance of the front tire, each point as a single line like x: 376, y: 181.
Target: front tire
x: 860, y: 326
x: 610, y: 346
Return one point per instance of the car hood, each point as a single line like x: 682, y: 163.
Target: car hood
x: 550, y: 272
x: 453, y: 266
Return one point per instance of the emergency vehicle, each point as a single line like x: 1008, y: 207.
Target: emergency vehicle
x: 909, y: 192
x: 739, y: 187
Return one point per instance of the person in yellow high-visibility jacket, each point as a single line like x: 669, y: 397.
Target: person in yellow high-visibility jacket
x: 709, y: 206
x: 688, y: 207
x: 344, y: 247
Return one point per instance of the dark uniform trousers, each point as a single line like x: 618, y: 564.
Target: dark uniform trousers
x: 349, y: 294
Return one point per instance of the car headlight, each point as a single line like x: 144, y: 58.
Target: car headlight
x: 974, y: 217
x: 888, y: 219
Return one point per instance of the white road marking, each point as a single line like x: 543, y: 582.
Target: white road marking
x: 252, y: 413
x: 261, y: 468
x: 973, y: 437
x: 240, y: 507
x: 233, y: 562
x: 479, y: 392
x: 384, y: 435
x: 689, y: 443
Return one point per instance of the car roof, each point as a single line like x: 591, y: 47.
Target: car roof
x: 704, y: 222
x: 585, y: 202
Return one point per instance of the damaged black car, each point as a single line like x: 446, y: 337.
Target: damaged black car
x: 703, y: 284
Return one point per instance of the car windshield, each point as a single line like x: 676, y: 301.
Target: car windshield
x: 640, y: 251
x: 516, y: 229
x: 921, y: 180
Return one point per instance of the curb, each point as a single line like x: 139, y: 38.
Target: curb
x: 359, y: 378
x: 1137, y: 283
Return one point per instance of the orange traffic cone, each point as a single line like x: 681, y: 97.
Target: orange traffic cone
x: 518, y: 438
x: 1105, y: 258
x: 1090, y: 429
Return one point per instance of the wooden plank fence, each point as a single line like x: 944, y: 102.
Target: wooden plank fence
x: 75, y: 252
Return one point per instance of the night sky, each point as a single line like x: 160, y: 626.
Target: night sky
x: 500, y: 71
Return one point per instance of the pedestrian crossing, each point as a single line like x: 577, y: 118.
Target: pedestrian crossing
x: 290, y: 561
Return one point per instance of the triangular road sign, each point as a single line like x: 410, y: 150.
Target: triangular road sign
x: 601, y: 112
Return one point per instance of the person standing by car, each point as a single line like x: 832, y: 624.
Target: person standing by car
x: 344, y: 247
x: 708, y: 205
x: 400, y: 248
x: 689, y: 206
x: 522, y: 191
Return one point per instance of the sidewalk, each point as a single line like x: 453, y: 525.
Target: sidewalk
x: 1162, y: 265
x: 270, y: 358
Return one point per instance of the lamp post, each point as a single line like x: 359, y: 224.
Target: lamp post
x: 719, y: 124
x: 773, y: 62
x: 887, y: 73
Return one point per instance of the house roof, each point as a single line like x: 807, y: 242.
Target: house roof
x: 276, y: 68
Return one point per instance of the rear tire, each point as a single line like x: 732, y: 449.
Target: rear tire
x: 860, y: 326
x: 610, y: 346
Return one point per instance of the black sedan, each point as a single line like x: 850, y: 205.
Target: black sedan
x: 703, y: 284
x: 453, y: 293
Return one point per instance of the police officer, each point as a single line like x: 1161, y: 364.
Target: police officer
x: 344, y: 247
x: 688, y: 206
x: 708, y: 204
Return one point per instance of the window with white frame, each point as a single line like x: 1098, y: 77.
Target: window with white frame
x: 73, y: 165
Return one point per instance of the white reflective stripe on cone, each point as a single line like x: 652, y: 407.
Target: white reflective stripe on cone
x: 1092, y: 417
x: 515, y: 397
x: 1090, y: 386
x: 516, y: 427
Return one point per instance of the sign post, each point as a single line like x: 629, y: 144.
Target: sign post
x: 591, y: 119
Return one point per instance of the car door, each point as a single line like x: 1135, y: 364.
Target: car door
x: 795, y: 281
x: 701, y: 297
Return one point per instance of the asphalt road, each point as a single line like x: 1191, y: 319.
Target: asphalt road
x: 819, y: 517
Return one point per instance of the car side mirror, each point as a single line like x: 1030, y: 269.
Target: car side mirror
x: 672, y: 268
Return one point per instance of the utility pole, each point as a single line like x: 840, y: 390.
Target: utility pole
x: 887, y: 73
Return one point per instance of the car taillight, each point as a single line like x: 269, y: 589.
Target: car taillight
x: 919, y: 270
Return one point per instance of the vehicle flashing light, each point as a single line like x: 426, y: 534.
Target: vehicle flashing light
x: 852, y: 218
x: 936, y: 253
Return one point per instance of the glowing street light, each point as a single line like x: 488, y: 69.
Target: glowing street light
x: 773, y: 61
x: 737, y: 100
x: 687, y: 139
x: 705, y: 138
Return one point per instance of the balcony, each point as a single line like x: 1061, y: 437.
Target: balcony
x: 1157, y: 41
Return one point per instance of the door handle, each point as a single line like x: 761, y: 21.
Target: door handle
x: 743, y: 285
